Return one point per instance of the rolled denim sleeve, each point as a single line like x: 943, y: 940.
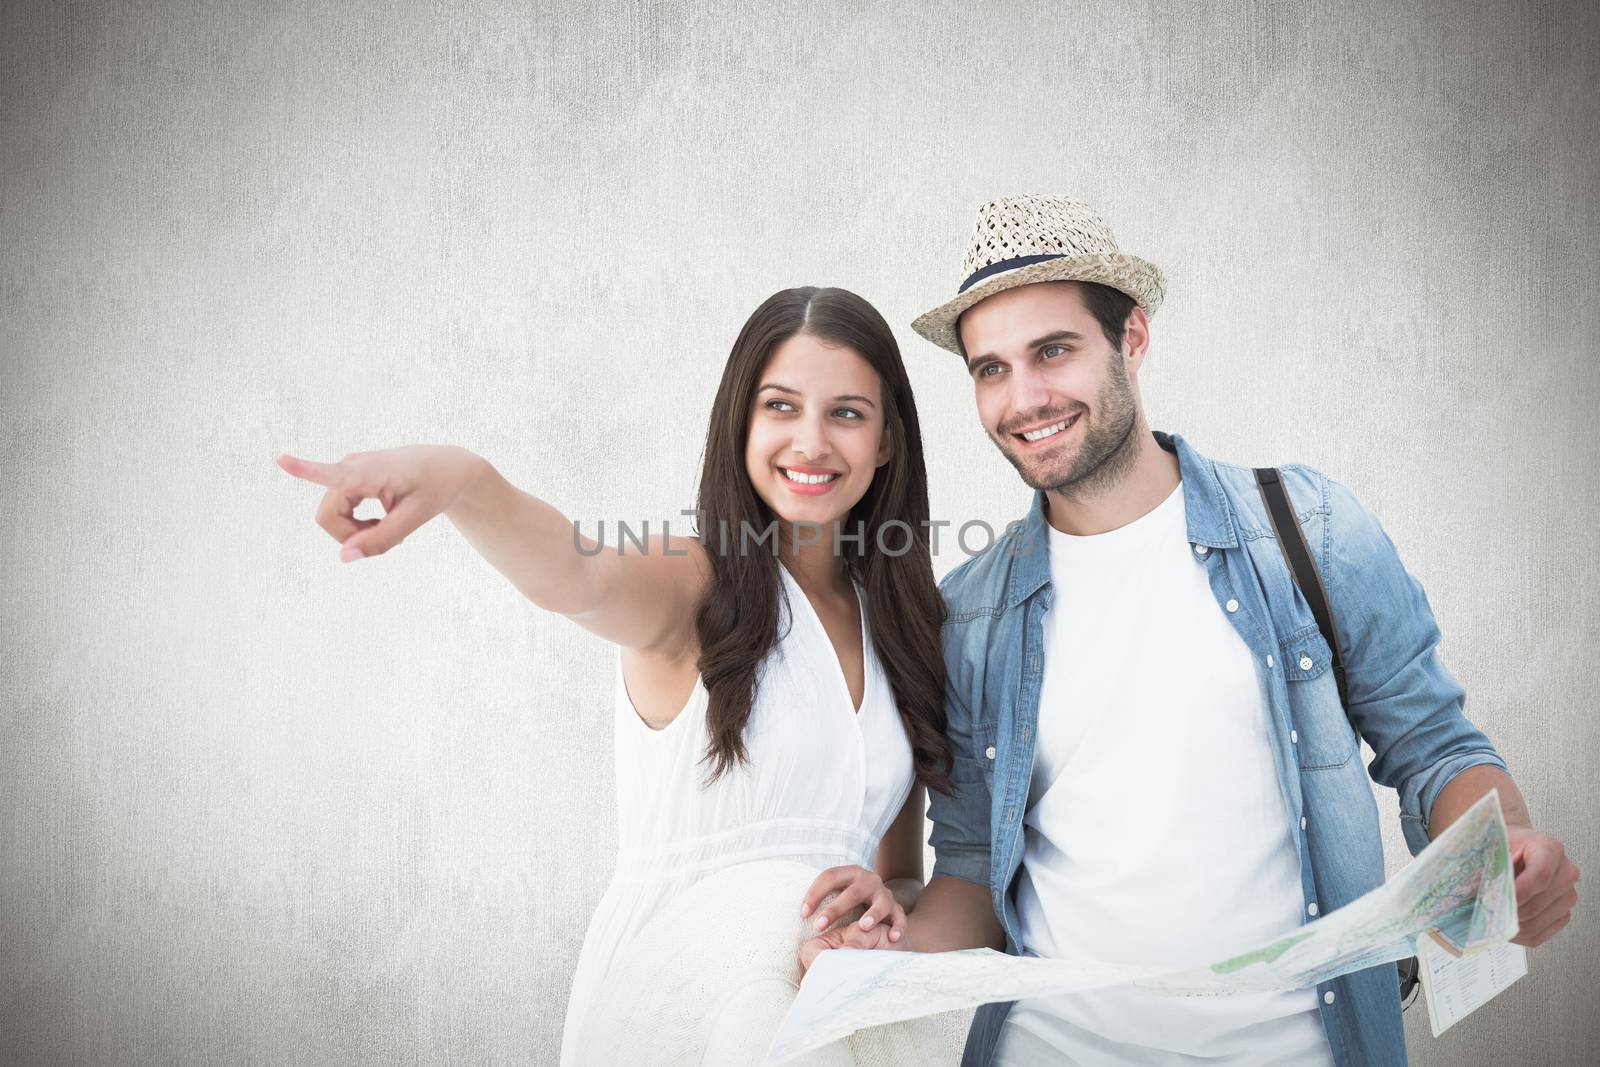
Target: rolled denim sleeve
x: 960, y: 834
x: 1403, y: 701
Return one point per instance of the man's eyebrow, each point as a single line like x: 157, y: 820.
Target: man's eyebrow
x: 1055, y: 335
x: 795, y: 392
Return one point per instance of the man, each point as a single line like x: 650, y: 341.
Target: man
x: 1152, y: 763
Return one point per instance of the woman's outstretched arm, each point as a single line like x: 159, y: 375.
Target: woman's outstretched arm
x: 640, y: 599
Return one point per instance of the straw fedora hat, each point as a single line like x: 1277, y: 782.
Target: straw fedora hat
x: 1019, y: 240
x: 710, y: 977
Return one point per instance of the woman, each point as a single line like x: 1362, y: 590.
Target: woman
x: 780, y: 687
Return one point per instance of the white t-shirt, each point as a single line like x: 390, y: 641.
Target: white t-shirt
x: 1155, y: 833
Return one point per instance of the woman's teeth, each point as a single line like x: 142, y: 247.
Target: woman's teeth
x: 807, y: 479
x: 1048, y: 431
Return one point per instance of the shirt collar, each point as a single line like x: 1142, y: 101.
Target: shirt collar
x: 1206, y: 512
x: 1210, y: 516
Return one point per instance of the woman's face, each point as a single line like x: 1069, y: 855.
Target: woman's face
x: 816, y: 431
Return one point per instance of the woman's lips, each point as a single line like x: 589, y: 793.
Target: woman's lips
x: 808, y: 488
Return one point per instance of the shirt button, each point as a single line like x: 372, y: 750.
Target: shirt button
x: 1327, y: 998
x: 1201, y: 550
x: 1233, y: 605
x: 1311, y: 908
x: 1294, y: 737
x: 989, y: 752
x: 1305, y: 663
x: 1302, y: 822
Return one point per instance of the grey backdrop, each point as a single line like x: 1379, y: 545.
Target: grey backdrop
x: 257, y: 806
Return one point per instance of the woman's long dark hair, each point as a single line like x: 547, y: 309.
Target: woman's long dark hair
x: 737, y: 619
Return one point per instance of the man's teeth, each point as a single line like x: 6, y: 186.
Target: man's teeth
x: 1047, y: 431
x: 807, y: 479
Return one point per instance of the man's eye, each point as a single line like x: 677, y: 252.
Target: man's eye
x: 1048, y: 349
x: 983, y: 372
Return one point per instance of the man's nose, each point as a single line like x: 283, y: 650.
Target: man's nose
x: 1028, y: 390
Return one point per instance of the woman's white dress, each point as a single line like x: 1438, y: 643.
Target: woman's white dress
x: 821, y: 787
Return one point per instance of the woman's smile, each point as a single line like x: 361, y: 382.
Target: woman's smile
x: 808, y: 481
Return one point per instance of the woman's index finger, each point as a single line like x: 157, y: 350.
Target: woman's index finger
x: 825, y: 883
x: 324, y: 474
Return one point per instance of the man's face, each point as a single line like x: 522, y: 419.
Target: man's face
x: 1052, y: 393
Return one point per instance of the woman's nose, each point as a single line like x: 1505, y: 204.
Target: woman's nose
x: 811, y: 442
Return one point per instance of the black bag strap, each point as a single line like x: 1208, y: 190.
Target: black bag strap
x: 1304, y: 570
x: 1301, y: 566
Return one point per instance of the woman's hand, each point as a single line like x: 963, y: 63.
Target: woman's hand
x: 848, y: 936
x: 413, y: 484
x: 855, y: 886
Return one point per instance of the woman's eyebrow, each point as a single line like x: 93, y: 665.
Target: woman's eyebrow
x: 795, y: 392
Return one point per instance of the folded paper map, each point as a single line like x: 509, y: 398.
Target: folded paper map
x: 1460, y: 888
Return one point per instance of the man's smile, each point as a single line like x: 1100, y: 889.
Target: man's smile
x: 1049, y: 432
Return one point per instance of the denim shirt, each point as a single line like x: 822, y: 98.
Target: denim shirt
x: 1403, y: 701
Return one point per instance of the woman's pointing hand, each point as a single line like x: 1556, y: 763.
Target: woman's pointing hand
x: 413, y: 483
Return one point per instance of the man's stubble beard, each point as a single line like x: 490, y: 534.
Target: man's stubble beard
x: 1110, y: 444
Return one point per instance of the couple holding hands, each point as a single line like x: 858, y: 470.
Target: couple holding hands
x: 1132, y: 739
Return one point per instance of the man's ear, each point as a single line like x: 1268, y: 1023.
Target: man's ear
x: 1136, y: 336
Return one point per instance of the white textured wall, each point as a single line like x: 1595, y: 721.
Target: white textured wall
x: 260, y: 807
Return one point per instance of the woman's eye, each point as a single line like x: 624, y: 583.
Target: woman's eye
x: 848, y: 413
x: 785, y: 403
